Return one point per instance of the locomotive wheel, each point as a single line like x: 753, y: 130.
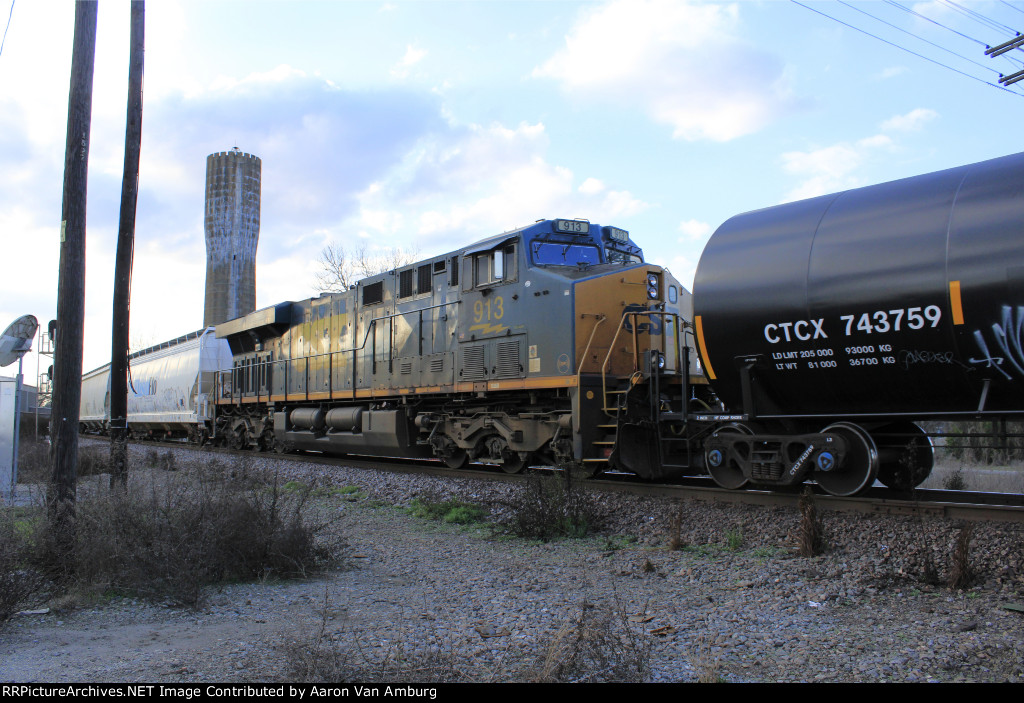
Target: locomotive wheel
x: 860, y: 467
x: 725, y: 469
x: 514, y: 462
x: 239, y: 438
x: 905, y: 455
x: 457, y: 459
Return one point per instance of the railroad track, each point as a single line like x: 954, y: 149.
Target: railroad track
x: 961, y: 505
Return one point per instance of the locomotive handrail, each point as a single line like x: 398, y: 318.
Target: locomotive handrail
x: 370, y: 325
x: 633, y: 314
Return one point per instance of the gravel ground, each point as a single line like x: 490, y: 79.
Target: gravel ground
x: 733, y: 603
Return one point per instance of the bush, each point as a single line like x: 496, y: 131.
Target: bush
x: 21, y: 585
x: 594, y: 646
x: 955, y: 481
x: 166, y: 543
x: 551, y: 507
x: 34, y: 462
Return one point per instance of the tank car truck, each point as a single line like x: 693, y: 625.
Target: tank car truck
x: 552, y: 344
x: 829, y: 325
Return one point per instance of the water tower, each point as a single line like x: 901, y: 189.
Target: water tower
x: 232, y: 225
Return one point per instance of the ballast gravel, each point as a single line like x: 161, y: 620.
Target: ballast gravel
x: 732, y: 603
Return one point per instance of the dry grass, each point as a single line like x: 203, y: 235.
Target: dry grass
x: 961, y: 571
x: 811, y: 535
x: 171, y: 534
x: 591, y: 645
x: 1008, y: 478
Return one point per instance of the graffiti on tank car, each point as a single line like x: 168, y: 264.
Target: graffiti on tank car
x: 1007, y: 338
x: 802, y: 330
x: 908, y: 358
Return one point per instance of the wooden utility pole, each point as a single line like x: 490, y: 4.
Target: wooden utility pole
x: 125, y: 247
x: 67, y: 391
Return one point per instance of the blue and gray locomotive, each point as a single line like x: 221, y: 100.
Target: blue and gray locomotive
x: 817, y: 333
x: 553, y: 344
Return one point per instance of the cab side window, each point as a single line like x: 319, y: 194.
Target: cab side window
x: 488, y: 268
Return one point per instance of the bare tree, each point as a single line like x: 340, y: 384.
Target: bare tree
x: 340, y: 269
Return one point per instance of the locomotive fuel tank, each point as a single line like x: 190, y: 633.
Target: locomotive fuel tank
x: 900, y: 299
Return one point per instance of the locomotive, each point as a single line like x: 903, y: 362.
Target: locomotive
x: 554, y: 343
x: 817, y: 333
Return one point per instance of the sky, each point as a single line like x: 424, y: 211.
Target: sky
x: 430, y: 125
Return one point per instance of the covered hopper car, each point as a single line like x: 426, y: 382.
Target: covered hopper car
x: 170, y: 394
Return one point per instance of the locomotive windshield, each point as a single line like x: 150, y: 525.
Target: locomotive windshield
x: 549, y: 253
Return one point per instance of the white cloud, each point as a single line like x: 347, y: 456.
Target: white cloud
x: 832, y: 168
x: 476, y: 181
x: 678, y: 61
x: 412, y: 57
x: 910, y: 122
x: 893, y: 71
x: 694, y: 230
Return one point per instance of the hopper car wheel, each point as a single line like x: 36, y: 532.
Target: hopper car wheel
x: 860, y: 467
x: 456, y: 459
x: 905, y: 454
x: 725, y: 470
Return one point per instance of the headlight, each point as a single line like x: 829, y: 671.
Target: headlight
x: 652, y: 286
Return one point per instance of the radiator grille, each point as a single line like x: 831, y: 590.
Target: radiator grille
x: 508, y: 360
x: 473, y: 363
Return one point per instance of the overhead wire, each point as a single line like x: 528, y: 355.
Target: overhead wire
x: 909, y: 51
x: 978, y: 17
x: 937, y: 46
x: 4, y: 40
x: 1012, y: 7
x: 1012, y: 60
x: 929, y: 19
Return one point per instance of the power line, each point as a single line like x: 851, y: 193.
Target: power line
x: 1012, y: 7
x: 909, y: 51
x: 937, y: 46
x: 978, y: 17
x: 4, y: 40
x: 928, y: 19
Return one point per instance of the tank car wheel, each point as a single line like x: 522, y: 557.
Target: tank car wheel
x: 860, y: 467
x: 456, y: 459
x: 723, y: 468
x: 905, y: 455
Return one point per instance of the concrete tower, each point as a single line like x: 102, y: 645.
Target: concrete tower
x: 232, y: 225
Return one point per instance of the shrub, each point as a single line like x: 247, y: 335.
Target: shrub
x: 551, y: 507
x: 21, y: 585
x: 955, y: 481
x: 594, y: 646
x: 166, y: 543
